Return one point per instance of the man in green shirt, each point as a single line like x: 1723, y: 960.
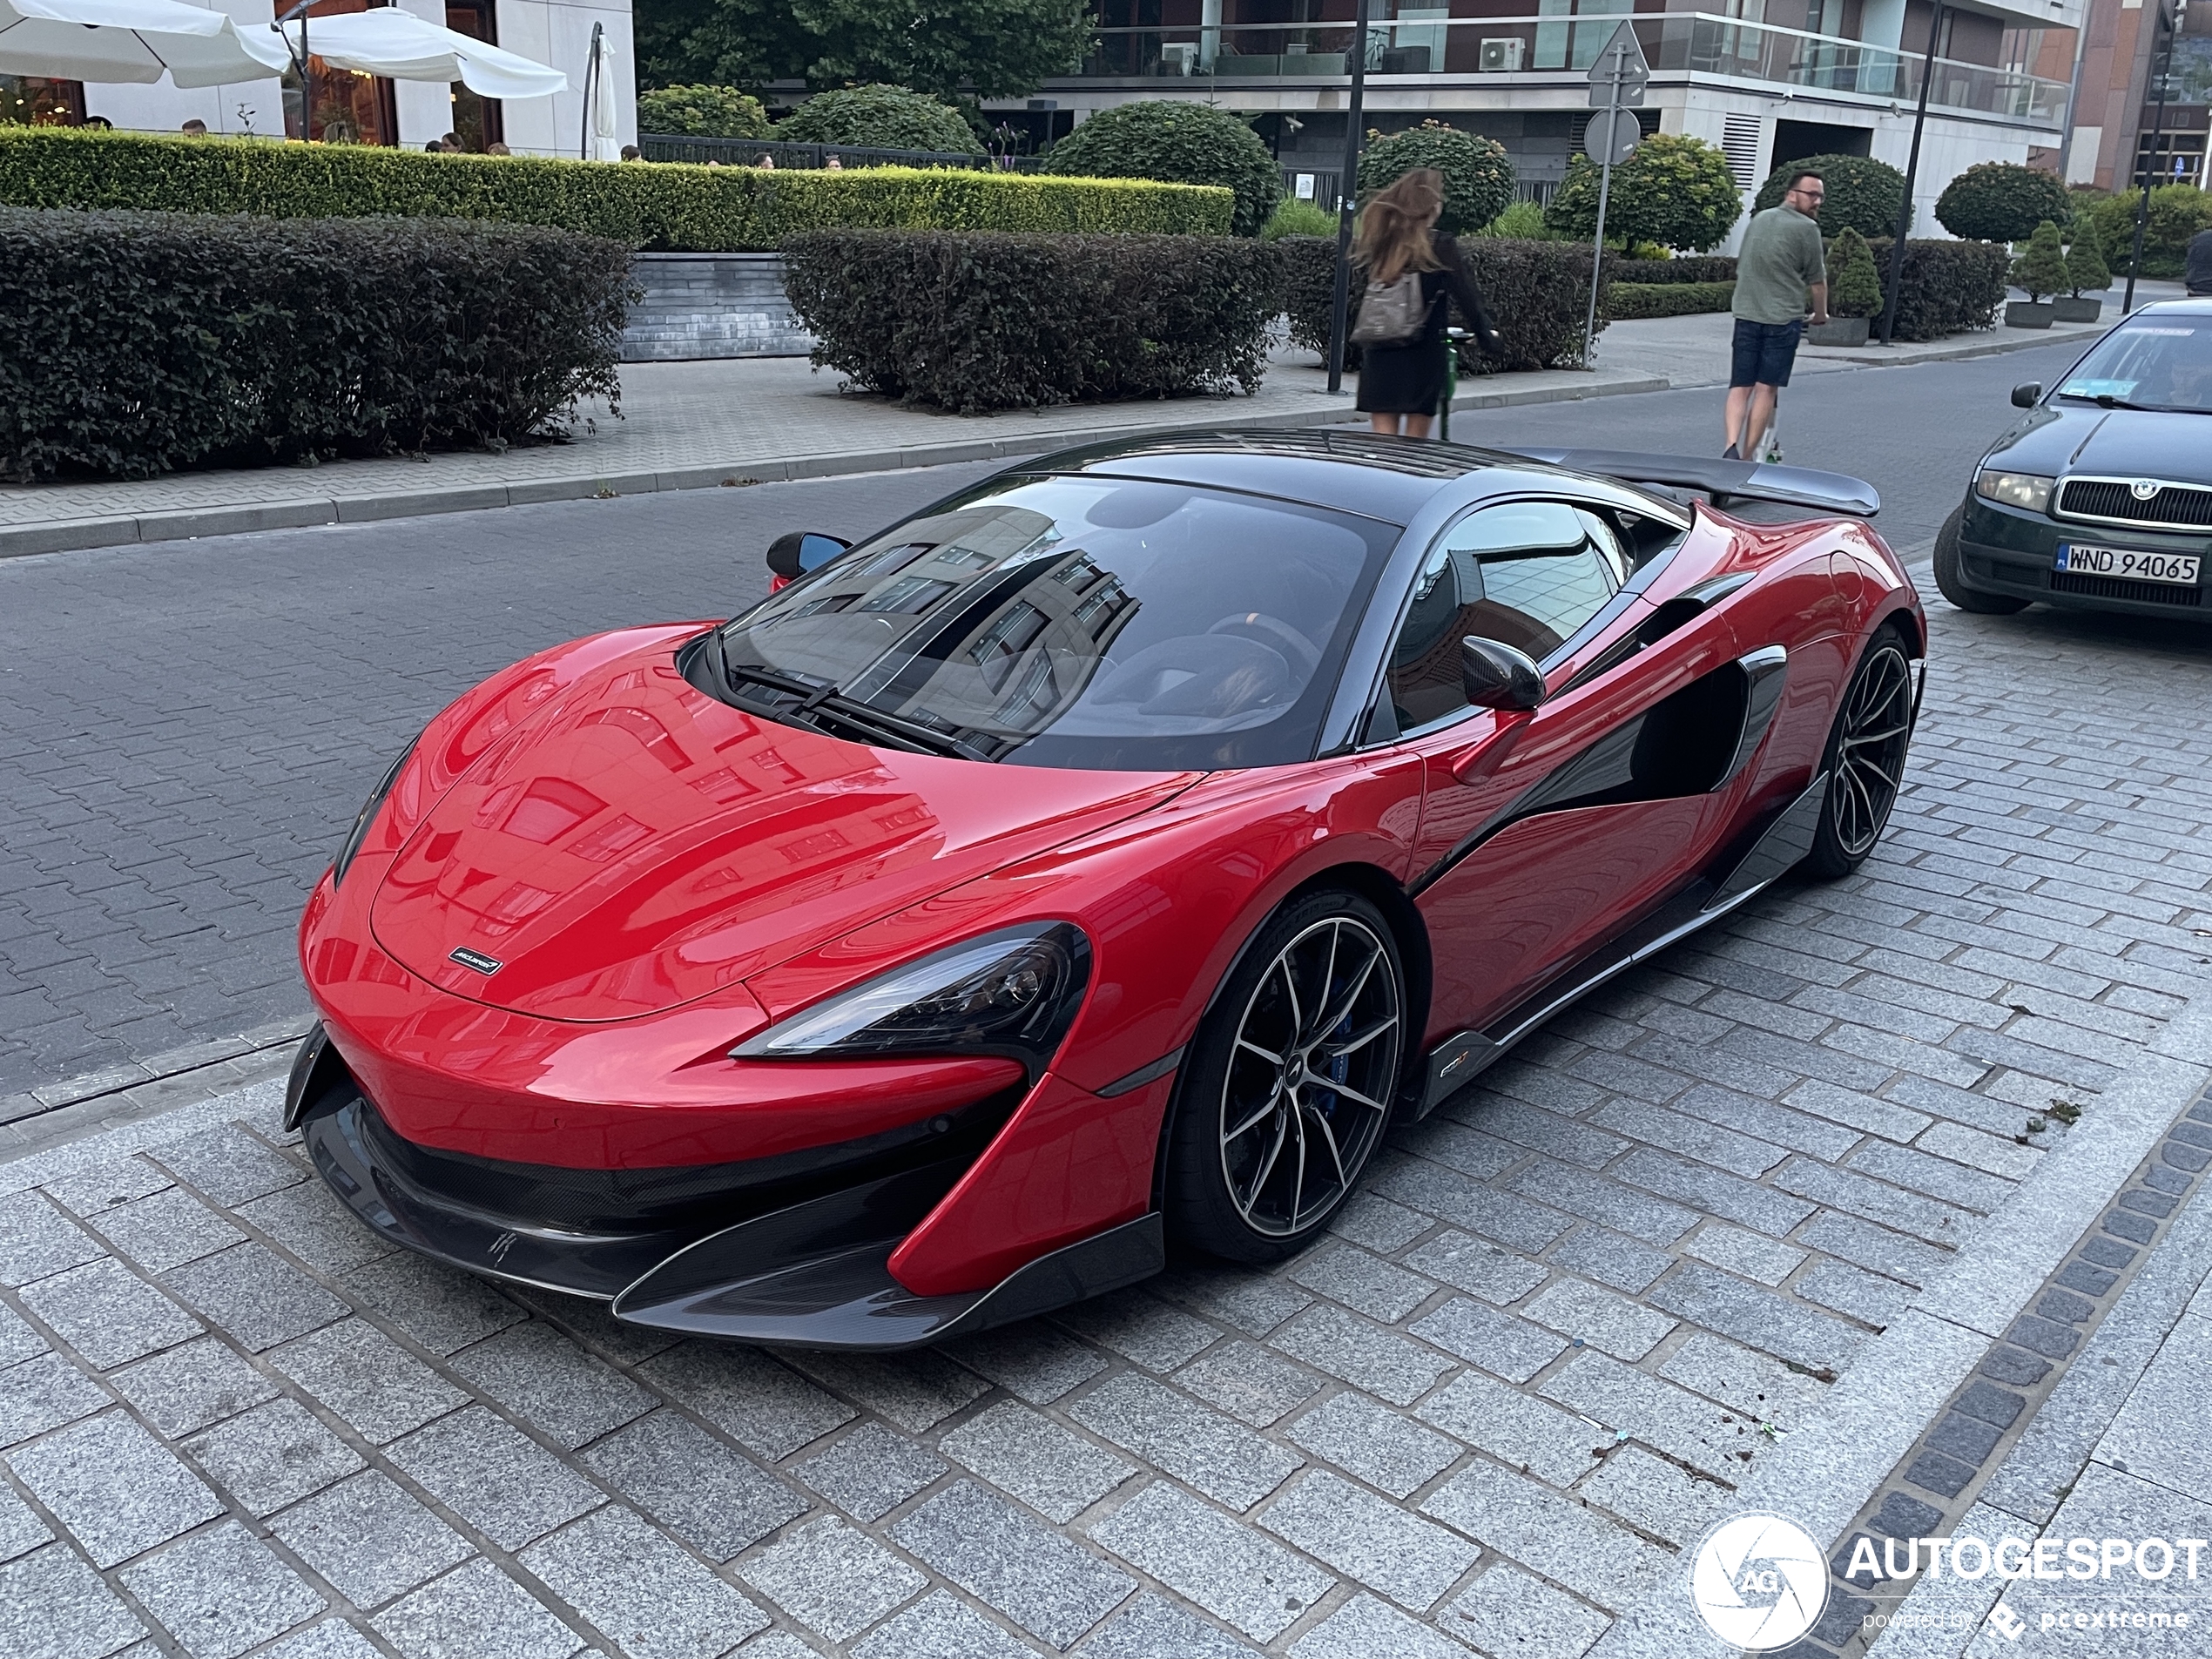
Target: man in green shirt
x: 1780, y: 270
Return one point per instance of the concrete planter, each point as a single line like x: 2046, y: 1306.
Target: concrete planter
x: 2077, y: 310
x: 2022, y: 314
x: 711, y: 305
x: 1838, y: 331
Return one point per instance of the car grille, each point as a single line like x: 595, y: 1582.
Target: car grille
x: 2175, y: 507
x: 2109, y: 587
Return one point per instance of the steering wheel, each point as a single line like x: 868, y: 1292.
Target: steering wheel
x: 1274, y: 632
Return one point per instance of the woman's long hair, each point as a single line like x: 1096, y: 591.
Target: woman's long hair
x: 1395, y: 226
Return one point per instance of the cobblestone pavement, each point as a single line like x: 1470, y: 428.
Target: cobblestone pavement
x: 1559, y: 1328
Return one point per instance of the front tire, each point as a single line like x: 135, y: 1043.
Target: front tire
x: 1950, y: 578
x: 1864, y: 759
x: 1287, y: 1088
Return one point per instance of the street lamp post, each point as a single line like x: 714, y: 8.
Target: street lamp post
x: 1347, y: 189
x: 1912, y: 176
x: 2157, y: 126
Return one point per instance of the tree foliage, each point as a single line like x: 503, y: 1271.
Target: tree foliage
x: 888, y: 117
x: 2084, y: 260
x: 2177, y: 213
x: 2002, y: 201
x: 1183, y: 143
x: 987, y: 48
x: 1863, y: 194
x: 2040, y: 268
x: 1478, y: 173
x: 701, y: 113
x: 1854, y: 285
x: 1674, y: 193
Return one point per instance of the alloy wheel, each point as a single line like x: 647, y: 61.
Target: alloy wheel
x: 1311, y: 1074
x: 1876, y: 727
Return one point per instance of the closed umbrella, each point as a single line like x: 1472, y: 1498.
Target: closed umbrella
x: 132, y: 40
x: 401, y: 46
x: 603, y: 147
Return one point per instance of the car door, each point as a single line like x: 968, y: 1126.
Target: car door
x: 1542, y: 833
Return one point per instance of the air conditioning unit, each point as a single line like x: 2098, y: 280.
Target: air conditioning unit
x: 1176, y: 56
x: 1501, y: 56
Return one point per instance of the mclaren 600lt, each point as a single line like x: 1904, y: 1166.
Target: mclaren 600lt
x: 1090, y: 866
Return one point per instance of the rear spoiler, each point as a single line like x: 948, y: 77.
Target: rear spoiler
x: 1826, y: 492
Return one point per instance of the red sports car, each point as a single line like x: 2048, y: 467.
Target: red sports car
x: 1093, y: 863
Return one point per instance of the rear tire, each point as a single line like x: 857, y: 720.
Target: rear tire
x: 1865, y: 759
x: 1286, y: 1091
x: 1951, y: 579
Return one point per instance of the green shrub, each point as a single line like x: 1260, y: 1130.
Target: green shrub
x: 1537, y: 293
x: 2040, y: 269
x: 2002, y: 201
x: 882, y: 117
x: 1292, y: 217
x: 2084, y: 260
x: 1521, y: 222
x: 1478, y: 173
x: 701, y: 113
x: 1947, y: 288
x: 973, y: 322
x: 2177, y: 213
x: 1863, y: 194
x: 1185, y: 144
x: 1626, y: 301
x: 1704, y: 268
x: 1854, y: 286
x: 664, y: 207
x: 133, y: 344
x: 1676, y: 192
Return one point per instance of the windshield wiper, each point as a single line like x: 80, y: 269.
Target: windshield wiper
x: 2106, y: 401
x: 821, y: 705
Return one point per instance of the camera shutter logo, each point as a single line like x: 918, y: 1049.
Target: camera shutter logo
x: 1759, y: 1582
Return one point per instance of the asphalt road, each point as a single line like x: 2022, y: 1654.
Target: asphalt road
x: 189, y: 726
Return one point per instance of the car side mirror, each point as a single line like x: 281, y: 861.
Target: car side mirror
x: 2028, y: 396
x: 792, y: 555
x: 1498, y: 676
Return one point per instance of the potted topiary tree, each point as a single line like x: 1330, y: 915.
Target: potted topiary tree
x: 1854, y: 293
x: 2040, y: 269
x: 2085, y: 268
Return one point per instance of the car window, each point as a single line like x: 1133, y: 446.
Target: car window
x: 1527, y: 574
x: 1088, y: 622
x: 2162, y: 363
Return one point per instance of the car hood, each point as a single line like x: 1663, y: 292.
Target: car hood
x: 2062, y: 440
x: 639, y: 844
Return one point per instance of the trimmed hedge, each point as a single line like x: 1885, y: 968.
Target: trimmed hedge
x: 1692, y: 268
x: 2002, y: 201
x: 2177, y: 213
x: 1864, y: 195
x: 1948, y: 287
x: 1626, y: 301
x: 1674, y: 191
x: 1537, y: 293
x: 133, y: 344
x: 977, y: 321
x: 664, y: 207
x: 1191, y: 144
x: 701, y: 113
x: 1478, y: 173
x: 883, y: 117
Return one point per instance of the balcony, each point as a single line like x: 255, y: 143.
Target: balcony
x: 1556, y: 49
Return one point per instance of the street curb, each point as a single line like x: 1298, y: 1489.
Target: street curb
x: 64, y: 536
x: 1897, y: 1384
x: 2035, y: 337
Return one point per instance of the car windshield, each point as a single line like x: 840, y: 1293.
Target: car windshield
x: 2160, y: 363
x: 1077, y: 622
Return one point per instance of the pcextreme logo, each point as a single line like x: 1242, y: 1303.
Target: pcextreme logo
x: 1759, y: 1582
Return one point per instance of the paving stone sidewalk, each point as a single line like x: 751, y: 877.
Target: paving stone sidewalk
x: 1559, y: 1331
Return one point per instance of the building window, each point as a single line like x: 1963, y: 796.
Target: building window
x: 31, y: 101
x: 350, y: 107
x: 474, y: 117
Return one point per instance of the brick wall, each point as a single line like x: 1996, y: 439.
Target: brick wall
x: 711, y: 305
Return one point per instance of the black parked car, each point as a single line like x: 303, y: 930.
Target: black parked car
x: 2101, y: 497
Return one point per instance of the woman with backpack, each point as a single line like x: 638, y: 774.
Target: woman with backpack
x: 1410, y: 268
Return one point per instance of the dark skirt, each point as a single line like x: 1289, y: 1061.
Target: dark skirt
x: 1402, y: 379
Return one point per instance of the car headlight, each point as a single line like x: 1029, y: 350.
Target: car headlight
x: 358, y: 834
x: 2029, y: 491
x: 1013, y: 992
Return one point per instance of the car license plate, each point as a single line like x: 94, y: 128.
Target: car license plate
x: 2179, y: 568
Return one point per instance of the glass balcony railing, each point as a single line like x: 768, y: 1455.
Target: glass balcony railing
x: 1695, y: 42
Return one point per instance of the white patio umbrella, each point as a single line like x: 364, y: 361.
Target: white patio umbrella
x: 132, y: 40
x: 603, y: 145
x: 398, y: 44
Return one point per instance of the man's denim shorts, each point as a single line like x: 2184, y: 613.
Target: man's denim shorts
x: 1765, y: 352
